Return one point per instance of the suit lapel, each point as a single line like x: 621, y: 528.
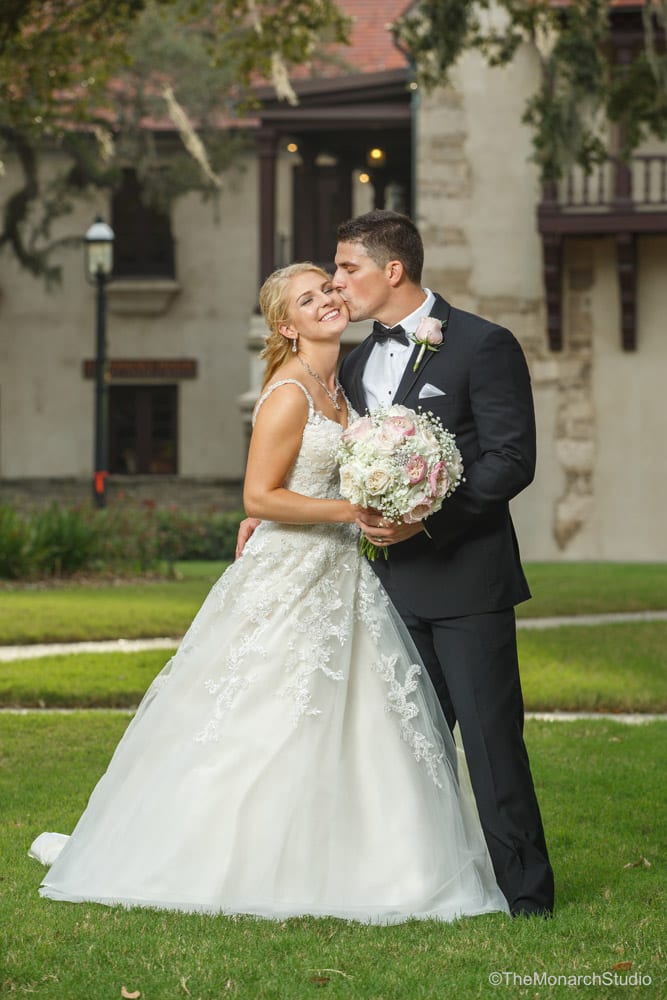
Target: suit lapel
x: 441, y: 311
x: 355, y: 388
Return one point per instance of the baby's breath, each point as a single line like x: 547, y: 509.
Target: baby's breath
x: 400, y: 462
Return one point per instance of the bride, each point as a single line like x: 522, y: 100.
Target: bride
x: 292, y: 757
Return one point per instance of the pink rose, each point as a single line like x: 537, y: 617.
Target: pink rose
x: 415, y: 469
x: 429, y: 331
x: 389, y: 438
x: 438, y: 480
x: 418, y: 513
x: 429, y: 335
x: 358, y: 430
x: 402, y: 424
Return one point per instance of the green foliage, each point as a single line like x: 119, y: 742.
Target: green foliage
x: 584, y: 88
x: 51, y: 542
x: 184, y: 535
x: 637, y: 103
x: 252, y: 34
x: 122, y: 537
x: 14, y: 544
x: 62, y: 541
x: 85, y: 76
x: 57, y: 58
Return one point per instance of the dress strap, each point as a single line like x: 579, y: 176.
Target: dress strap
x: 286, y: 381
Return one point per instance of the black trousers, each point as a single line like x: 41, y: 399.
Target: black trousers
x: 474, y: 667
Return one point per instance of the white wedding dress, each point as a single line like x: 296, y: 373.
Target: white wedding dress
x: 291, y: 758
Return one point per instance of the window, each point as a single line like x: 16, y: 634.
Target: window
x: 143, y: 429
x: 143, y: 246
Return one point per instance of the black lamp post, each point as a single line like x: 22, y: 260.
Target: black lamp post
x: 99, y: 264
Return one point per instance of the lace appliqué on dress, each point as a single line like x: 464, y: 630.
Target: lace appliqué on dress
x: 299, y: 566
x: 326, y: 623
x: 372, y: 601
x: 398, y: 701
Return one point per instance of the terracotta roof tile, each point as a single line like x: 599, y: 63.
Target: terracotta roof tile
x: 372, y: 47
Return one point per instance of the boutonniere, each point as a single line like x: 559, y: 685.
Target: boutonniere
x: 429, y: 334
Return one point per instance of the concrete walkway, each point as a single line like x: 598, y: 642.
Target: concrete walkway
x: 606, y: 619
x: 629, y: 718
x: 9, y: 653
x: 29, y: 652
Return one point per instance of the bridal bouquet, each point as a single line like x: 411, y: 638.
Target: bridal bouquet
x: 400, y: 462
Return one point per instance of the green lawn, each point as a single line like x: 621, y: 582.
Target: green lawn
x: 139, y: 609
x: 601, y: 788
x: 600, y: 785
x: 614, y: 668
x: 596, y: 668
x: 593, y: 588
x: 80, y: 680
x: 100, y: 610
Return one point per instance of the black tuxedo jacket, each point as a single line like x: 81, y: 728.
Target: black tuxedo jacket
x: 470, y: 564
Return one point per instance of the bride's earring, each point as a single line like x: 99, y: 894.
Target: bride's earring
x: 295, y: 344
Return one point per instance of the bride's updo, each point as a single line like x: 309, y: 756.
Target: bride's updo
x: 274, y: 303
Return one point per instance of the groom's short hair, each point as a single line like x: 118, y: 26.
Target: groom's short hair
x: 387, y: 236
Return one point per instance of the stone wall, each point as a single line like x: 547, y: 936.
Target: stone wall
x: 195, y: 494
x: 601, y: 421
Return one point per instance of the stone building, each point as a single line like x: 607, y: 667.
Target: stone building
x: 577, y: 272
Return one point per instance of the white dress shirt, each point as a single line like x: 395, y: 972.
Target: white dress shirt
x: 386, y: 362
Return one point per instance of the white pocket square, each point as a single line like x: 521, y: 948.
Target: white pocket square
x: 428, y: 390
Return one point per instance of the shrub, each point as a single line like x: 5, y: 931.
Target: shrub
x: 185, y: 535
x: 14, y: 544
x: 126, y: 536
x: 62, y: 540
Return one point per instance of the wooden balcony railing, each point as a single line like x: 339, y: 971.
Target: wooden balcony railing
x: 620, y: 199
x: 612, y: 188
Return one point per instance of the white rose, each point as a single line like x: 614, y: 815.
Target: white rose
x: 351, y: 480
x: 377, y: 479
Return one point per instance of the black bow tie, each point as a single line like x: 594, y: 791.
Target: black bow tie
x: 381, y: 334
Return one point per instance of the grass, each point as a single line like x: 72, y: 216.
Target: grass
x: 80, y: 680
x: 97, y: 610
x: 141, y: 609
x: 601, y: 789
x: 600, y: 785
x: 614, y: 668
x: 597, y: 668
x: 593, y: 588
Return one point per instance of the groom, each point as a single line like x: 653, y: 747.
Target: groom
x: 456, y: 577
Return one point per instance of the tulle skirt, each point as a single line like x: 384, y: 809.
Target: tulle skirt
x: 290, y: 759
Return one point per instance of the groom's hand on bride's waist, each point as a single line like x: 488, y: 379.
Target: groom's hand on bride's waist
x: 246, y: 528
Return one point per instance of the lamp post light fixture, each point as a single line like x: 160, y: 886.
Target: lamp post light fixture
x: 99, y: 265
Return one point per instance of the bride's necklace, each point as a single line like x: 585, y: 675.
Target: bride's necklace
x: 333, y: 396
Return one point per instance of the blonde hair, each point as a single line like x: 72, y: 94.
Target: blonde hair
x: 273, y: 302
